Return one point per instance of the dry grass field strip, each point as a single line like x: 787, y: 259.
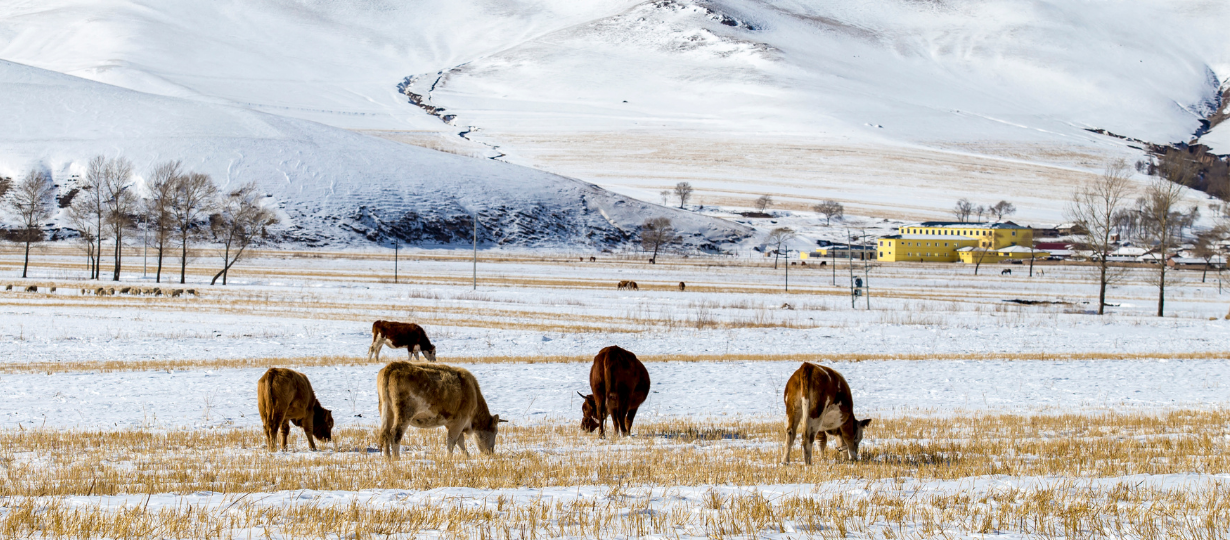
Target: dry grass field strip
x: 1076, y: 472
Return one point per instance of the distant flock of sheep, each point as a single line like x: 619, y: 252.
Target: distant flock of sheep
x: 427, y: 395
x: 109, y: 291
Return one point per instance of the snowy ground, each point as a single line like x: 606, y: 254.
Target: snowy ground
x: 937, y: 343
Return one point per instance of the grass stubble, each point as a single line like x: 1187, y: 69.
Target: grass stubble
x: 1076, y: 476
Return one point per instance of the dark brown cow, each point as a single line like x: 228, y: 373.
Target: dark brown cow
x: 286, y: 396
x: 431, y: 395
x: 397, y: 335
x: 620, y: 383
x: 820, y: 397
x: 682, y: 286
x: 627, y: 285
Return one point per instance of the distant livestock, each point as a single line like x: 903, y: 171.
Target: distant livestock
x: 682, y: 286
x: 432, y: 395
x: 285, y: 396
x: 593, y: 259
x: 397, y: 335
x: 32, y: 288
x: 627, y: 285
x: 1006, y: 272
x: 820, y: 398
x: 619, y: 384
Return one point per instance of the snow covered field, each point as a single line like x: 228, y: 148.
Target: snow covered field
x: 976, y: 401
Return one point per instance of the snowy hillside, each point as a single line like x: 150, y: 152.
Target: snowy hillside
x: 894, y: 107
x: 332, y: 185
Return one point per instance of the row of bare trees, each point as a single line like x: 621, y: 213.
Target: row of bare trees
x: 177, y: 209
x: 1100, y: 203
x: 965, y: 209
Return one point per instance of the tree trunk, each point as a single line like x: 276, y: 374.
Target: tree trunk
x: 158, y: 275
x: 26, y: 264
x: 1102, y: 288
x: 119, y: 241
x: 183, y: 257
x: 1161, y: 288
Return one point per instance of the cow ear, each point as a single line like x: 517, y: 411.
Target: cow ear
x: 864, y: 422
x: 497, y: 420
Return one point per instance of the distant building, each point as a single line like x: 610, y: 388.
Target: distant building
x: 843, y: 251
x: 943, y: 241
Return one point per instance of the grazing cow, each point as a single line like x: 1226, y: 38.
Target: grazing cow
x: 824, y: 263
x: 620, y: 383
x: 627, y: 285
x: 51, y: 289
x: 157, y: 291
x: 593, y: 259
x: 582, y: 259
x: 1006, y: 272
x: 176, y: 293
x: 192, y: 292
x: 682, y: 286
x: 32, y: 288
x: 653, y: 261
x: 286, y: 396
x: 432, y: 395
x: 126, y: 290
x: 397, y: 335
x: 820, y: 397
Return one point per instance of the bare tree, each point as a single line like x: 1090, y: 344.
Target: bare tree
x: 31, y: 201
x: 963, y: 209
x: 159, y: 206
x: 119, y: 205
x: 1002, y: 209
x: 666, y: 196
x: 776, y: 238
x: 683, y: 190
x: 1096, y: 205
x: 1206, y: 247
x: 831, y: 209
x: 657, y: 233
x: 193, y: 200
x: 93, y: 207
x: 240, y: 221
x: 763, y: 203
x: 83, y: 221
x: 1162, y: 222
x: 979, y: 211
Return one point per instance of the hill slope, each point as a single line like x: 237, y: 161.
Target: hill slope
x: 332, y: 185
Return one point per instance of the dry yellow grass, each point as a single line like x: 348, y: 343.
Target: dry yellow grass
x: 873, y: 498
x: 110, y: 366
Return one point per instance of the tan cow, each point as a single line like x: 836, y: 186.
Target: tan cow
x: 820, y: 398
x: 286, y: 396
x: 432, y: 395
x: 397, y: 335
x: 627, y: 285
x: 619, y: 384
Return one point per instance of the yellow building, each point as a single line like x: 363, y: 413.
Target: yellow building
x: 942, y: 241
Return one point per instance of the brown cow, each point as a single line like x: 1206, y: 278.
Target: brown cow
x: 627, y: 285
x: 286, y: 396
x: 620, y: 383
x: 397, y: 335
x: 432, y: 395
x: 821, y: 396
x: 682, y: 286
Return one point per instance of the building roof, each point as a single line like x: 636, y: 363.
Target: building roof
x: 1017, y: 249
x: 969, y: 225
x: 929, y: 237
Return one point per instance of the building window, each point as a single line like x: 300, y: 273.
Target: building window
x: 881, y: 253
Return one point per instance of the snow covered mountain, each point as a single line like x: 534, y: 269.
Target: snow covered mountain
x: 331, y: 185
x: 895, y: 107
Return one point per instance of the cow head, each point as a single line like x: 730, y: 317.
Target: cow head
x: 850, y: 447
x: 322, y: 423
x: 485, y: 438
x: 429, y: 352
x: 589, y: 413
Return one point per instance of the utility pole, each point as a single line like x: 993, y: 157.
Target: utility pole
x: 395, y: 246
x: 850, y: 263
x: 145, y: 253
x: 833, y: 262
x: 867, y: 275
x: 787, y: 269
x: 476, y: 250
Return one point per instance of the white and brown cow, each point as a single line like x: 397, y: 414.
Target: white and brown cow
x: 397, y: 335
x: 432, y: 395
x: 819, y: 398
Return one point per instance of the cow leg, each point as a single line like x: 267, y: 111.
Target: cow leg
x: 307, y: 431
x: 456, y: 435
x: 271, y: 434
x: 792, y: 426
x: 285, y: 428
x: 809, y: 437
x: 628, y: 420
x: 371, y: 349
x: 824, y: 441
x: 377, y: 344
